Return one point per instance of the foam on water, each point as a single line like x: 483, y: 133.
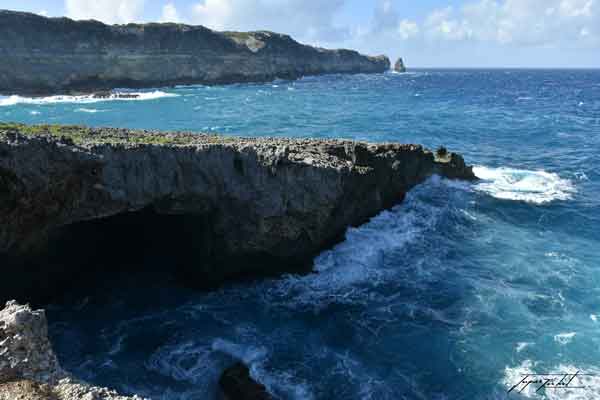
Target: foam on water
x: 523, y: 185
x: 585, y: 386
x: 86, y: 99
x: 89, y: 110
x: 346, y: 272
x: 441, y: 297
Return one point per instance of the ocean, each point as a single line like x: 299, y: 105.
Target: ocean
x: 453, y: 294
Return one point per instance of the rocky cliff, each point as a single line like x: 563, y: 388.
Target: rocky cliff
x: 76, y: 199
x: 52, y: 55
x: 29, y: 369
x: 399, y: 66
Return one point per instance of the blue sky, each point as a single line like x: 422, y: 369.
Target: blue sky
x: 427, y: 33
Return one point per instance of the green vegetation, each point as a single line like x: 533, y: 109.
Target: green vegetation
x: 441, y: 152
x: 238, y: 35
x: 84, y: 135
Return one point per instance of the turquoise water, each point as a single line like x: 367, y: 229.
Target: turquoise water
x: 451, y: 295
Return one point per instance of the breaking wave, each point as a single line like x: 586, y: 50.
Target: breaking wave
x: 85, y: 99
x: 586, y: 386
x: 89, y: 110
x: 523, y: 185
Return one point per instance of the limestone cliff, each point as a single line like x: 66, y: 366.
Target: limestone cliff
x: 29, y: 369
x: 74, y: 199
x: 52, y: 55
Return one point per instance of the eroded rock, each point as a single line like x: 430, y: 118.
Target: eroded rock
x: 236, y: 383
x: 55, y: 55
x: 399, y: 66
x: 29, y: 369
x: 217, y: 207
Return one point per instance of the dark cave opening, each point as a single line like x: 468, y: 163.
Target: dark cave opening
x: 141, y: 248
x: 82, y: 257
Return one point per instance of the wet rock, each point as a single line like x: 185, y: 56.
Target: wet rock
x: 237, y: 384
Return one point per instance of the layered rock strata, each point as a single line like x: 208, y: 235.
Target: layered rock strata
x: 57, y: 55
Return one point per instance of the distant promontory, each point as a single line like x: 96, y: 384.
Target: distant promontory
x: 58, y: 55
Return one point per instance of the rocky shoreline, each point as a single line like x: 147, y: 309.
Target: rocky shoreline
x: 216, y: 208
x: 45, y: 56
x: 76, y: 200
x: 29, y: 369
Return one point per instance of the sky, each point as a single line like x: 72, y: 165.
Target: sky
x: 426, y: 33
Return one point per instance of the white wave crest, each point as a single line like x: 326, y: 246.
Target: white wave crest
x: 564, y: 338
x: 86, y: 99
x: 89, y: 110
x: 585, y: 386
x: 523, y: 185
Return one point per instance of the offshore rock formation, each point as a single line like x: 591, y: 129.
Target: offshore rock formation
x: 399, y: 66
x: 29, y: 369
x: 53, y: 55
x: 74, y: 200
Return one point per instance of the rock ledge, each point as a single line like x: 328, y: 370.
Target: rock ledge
x: 77, y: 199
x: 29, y: 369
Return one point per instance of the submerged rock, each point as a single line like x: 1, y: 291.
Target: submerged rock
x: 77, y: 200
x: 399, y: 66
x: 237, y: 384
x: 51, y: 55
x: 29, y: 369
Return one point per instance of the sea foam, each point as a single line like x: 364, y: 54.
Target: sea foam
x: 86, y: 99
x: 523, y: 185
x: 586, y: 386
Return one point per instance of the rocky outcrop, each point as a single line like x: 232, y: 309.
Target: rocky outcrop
x: 29, y: 369
x: 236, y: 383
x: 51, y: 55
x: 76, y: 199
x: 399, y: 66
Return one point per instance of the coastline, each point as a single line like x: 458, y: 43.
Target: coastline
x: 272, y: 203
x: 66, y: 56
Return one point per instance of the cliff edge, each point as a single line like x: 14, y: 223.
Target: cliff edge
x: 56, y: 55
x: 29, y: 369
x: 76, y: 199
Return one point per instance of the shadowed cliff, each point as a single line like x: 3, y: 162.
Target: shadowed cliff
x: 55, y: 55
x: 77, y: 199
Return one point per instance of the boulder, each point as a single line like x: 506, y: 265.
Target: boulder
x: 236, y: 383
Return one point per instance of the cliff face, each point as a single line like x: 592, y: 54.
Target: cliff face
x: 29, y: 369
x: 49, y: 55
x: 212, y: 207
x: 399, y: 66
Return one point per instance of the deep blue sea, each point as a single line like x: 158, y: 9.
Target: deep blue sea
x: 451, y: 295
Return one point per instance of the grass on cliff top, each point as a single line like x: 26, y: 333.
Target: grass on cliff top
x: 85, y: 135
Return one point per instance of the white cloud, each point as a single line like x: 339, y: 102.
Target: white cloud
x: 311, y: 20
x: 519, y: 22
x: 170, y: 14
x: 440, y: 24
x: 408, y: 29
x: 108, y: 11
